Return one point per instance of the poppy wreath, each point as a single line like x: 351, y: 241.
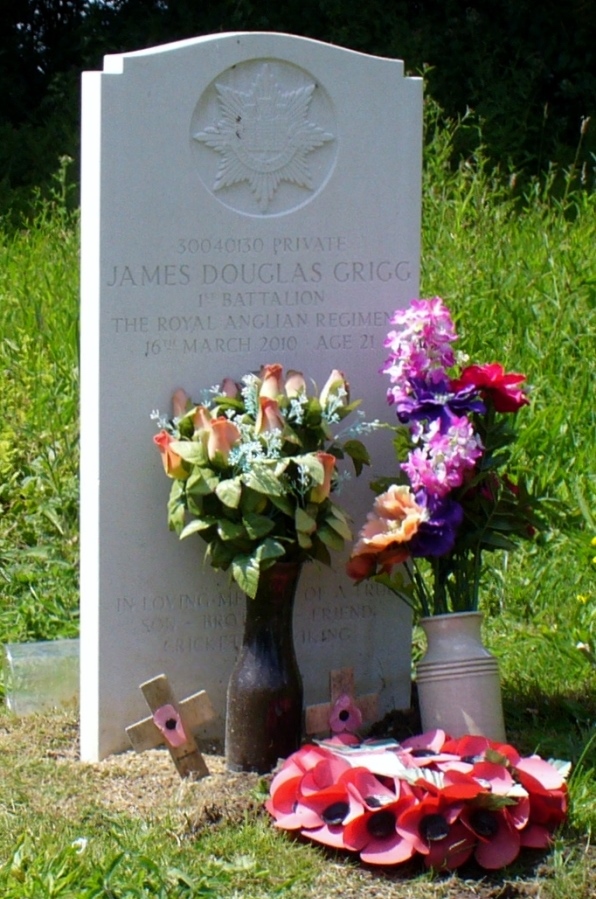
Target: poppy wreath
x: 446, y: 800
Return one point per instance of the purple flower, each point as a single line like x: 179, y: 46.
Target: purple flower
x: 440, y: 461
x: 427, y: 401
x: 437, y: 535
x: 421, y: 344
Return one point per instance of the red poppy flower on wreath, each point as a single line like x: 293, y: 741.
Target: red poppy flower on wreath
x: 434, y: 830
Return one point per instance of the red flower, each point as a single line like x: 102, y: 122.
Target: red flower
x: 374, y: 833
x: 491, y: 380
x: 433, y: 828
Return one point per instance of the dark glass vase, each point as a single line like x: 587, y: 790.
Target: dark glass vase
x: 264, y: 700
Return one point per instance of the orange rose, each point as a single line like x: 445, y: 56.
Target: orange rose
x: 269, y: 417
x: 295, y: 384
x: 320, y: 493
x: 173, y: 464
x: 271, y: 380
x: 223, y: 434
x: 201, y: 419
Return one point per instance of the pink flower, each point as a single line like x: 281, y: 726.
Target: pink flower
x: 271, y: 381
x: 269, y: 417
x: 180, y: 402
x: 491, y: 380
x: 201, y: 418
x: 320, y: 492
x: 174, y: 465
x: 223, y: 435
x: 334, y: 385
x: 421, y: 345
x: 295, y: 384
x: 229, y: 388
x: 345, y: 716
x: 168, y: 720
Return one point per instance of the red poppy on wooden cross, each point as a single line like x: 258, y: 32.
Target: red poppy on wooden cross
x: 345, y: 712
x: 174, y: 724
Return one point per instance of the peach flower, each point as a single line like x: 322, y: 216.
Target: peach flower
x: 201, y: 418
x: 295, y: 384
x: 173, y: 464
x: 180, y: 402
x: 223, y: 434
x: 395, y: 518
x: 320, y: 493
x: 269, y: 417
x: 335, y: 382
x: 271, y: 380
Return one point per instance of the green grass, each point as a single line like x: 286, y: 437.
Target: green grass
x: 519, y: 271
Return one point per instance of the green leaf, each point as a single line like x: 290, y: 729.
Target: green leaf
x: 245, y: 571
x: 196, y: 526
x: 304, y: 541
x: 191, y: 451
x: 358, y: 453
x: 270, y: 549
x: 263, y: 481
x: 304, y: 523
x: 284, y: 504
x: 257, y: 526
x: 230, y: 492
x: 330, y: 537
x: 231, y: 530
x: 340, y: 526
x: 176, y: 507
x: 201, y: 482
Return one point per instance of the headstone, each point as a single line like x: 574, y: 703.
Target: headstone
x: 246, y: 199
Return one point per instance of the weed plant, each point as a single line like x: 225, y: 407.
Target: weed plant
x: 518, y: 269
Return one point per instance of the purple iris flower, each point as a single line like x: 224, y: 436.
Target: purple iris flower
x: 437, y: 536
x: 429, y: 401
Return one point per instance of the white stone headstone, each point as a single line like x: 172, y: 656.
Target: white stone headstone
x: 246, y: 199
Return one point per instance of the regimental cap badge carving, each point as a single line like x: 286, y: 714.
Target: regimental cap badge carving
x: 264, y: 136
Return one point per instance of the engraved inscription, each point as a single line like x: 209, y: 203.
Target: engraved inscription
x: 264, y: 136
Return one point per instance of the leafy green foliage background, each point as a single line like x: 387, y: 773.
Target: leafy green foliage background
x: 527, y: 70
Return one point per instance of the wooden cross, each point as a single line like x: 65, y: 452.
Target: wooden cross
x: 174, y: 724
x: 341, y: 685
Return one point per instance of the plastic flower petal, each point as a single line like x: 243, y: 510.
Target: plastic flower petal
x: 499, y: 841
x: 271, y: 381
x: 375, y: 836
x: 345, y: 716
x: 295, y: 384
x: 180, y: 402
x: 169, y: 722
x: 223, y: 435
x: 395, y: 519
x: 269, y: 417
x: 503, y: 389
x: 320, y: 492
x: 173, y: 464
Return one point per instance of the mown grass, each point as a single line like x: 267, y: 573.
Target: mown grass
x: 520, y: 273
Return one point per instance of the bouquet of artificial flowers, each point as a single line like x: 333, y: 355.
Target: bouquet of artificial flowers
x: 254, y: 466
x: 451, y: 499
